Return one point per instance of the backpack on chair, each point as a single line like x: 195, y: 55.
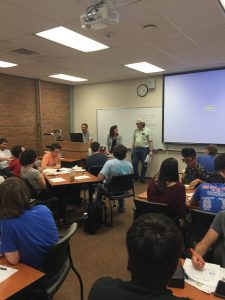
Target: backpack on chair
x: 95, y: 217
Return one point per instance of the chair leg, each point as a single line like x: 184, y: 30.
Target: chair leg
x: 78, y: 276
x: 111, y: 213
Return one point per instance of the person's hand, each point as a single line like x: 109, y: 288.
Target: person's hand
x: 197, y: 261
x: 40, y: 170
x: 193, y: 183
x: 58, y: 166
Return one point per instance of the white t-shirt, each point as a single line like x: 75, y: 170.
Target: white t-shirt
x: 4, y: 154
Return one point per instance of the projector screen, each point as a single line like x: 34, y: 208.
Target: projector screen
x: 194, y: 107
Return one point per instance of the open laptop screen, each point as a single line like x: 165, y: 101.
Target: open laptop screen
x: 76, y: 137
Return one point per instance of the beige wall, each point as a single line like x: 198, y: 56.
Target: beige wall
x: 88, y: 98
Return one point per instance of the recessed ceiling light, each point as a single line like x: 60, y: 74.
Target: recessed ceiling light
x: 71, y: 39
x: 5, y: 64
x: 68, y: 77
x: 144, y: 67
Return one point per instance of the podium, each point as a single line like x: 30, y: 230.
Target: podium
x: 74, y: 150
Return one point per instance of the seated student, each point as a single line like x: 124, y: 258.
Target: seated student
x: 207, y: 160
x: 28, y: 172
x: 14, y: 164
x: 214, y: 236
x: 5, y: 156
x: 211, y: 196
x: 34, y: 176
x: 166, y: 188
x: 52, y: 158
x: 194, y: 173
x: 97, y: 158
x: 27, y: 232
x: 154, y: 247
x: 115, y: 167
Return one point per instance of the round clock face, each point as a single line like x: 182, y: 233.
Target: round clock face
x: 142, y: 90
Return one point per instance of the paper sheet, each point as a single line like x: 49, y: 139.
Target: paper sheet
x: 205, y: 279
x: 57, y: 179
x: 55, y: 172
x: 82, y: 177
x: 4, y: 274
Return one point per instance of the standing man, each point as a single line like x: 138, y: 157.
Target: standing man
x: 87, y: 135
x: 5, y: 156
x: 141, y: 147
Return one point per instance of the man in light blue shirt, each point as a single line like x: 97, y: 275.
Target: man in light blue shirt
x: 115, y: 167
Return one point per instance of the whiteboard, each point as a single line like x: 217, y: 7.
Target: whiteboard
x: 125, y: 119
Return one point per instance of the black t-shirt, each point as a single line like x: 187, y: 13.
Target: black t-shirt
x: 107, y: 288
x: 97, y: 159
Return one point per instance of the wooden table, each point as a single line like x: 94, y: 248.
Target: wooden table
x: 88, y: 181
x: 19, y: 281
x: 144, y: 196
x: 67, y: 181
x: 192, y: 293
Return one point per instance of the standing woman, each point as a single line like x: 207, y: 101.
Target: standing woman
x: 166, y: 188
x: 113, y: 138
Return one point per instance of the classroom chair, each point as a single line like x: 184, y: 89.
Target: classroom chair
x: 119, y: 187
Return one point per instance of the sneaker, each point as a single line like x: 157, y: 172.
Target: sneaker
x: 142, y: 180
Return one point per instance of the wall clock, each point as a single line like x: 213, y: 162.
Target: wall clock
x: 142, y: 90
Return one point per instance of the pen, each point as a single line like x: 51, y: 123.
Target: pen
x: 201, y: 261
x: 3, y: 268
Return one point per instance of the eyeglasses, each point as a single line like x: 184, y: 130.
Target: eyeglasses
x: 187, y: 160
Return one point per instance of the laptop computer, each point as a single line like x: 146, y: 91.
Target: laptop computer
x: 76, y: 137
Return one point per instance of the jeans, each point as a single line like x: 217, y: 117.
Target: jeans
x: 139, y: 154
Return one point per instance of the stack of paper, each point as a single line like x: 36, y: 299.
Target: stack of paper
x: 6, y: 272
x: 55, y: 172
x: 78, y: 169
x: 205, y: 280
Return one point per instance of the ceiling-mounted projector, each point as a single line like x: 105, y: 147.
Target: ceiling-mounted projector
x: 99, y: 16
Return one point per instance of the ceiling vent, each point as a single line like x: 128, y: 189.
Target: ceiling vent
x: 26, y: 52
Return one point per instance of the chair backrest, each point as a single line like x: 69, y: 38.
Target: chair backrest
x: 58, y: 256
x: 144, y: 207
x: 95, y: 170
x: 119, y: 184
x: 200, y: 222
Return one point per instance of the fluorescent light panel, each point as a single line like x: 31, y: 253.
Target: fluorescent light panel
x: 144, y: 67
x: 222, y: 2
x: 5, y: 64
x: 68, y: 77
x: 71, y: 39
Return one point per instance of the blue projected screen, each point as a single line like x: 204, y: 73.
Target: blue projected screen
x: 194, y: 107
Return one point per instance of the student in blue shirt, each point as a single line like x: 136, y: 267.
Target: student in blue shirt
x: 211, y: 195
x: 26, y: 232
x: 207, y: 159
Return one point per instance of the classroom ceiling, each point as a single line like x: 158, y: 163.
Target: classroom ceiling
x: 188, y: 35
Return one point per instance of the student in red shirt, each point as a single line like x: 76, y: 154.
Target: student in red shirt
x: 14, y: 164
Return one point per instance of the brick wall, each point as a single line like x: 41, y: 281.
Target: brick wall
x: 21, y: 109
x: 54, y: 107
